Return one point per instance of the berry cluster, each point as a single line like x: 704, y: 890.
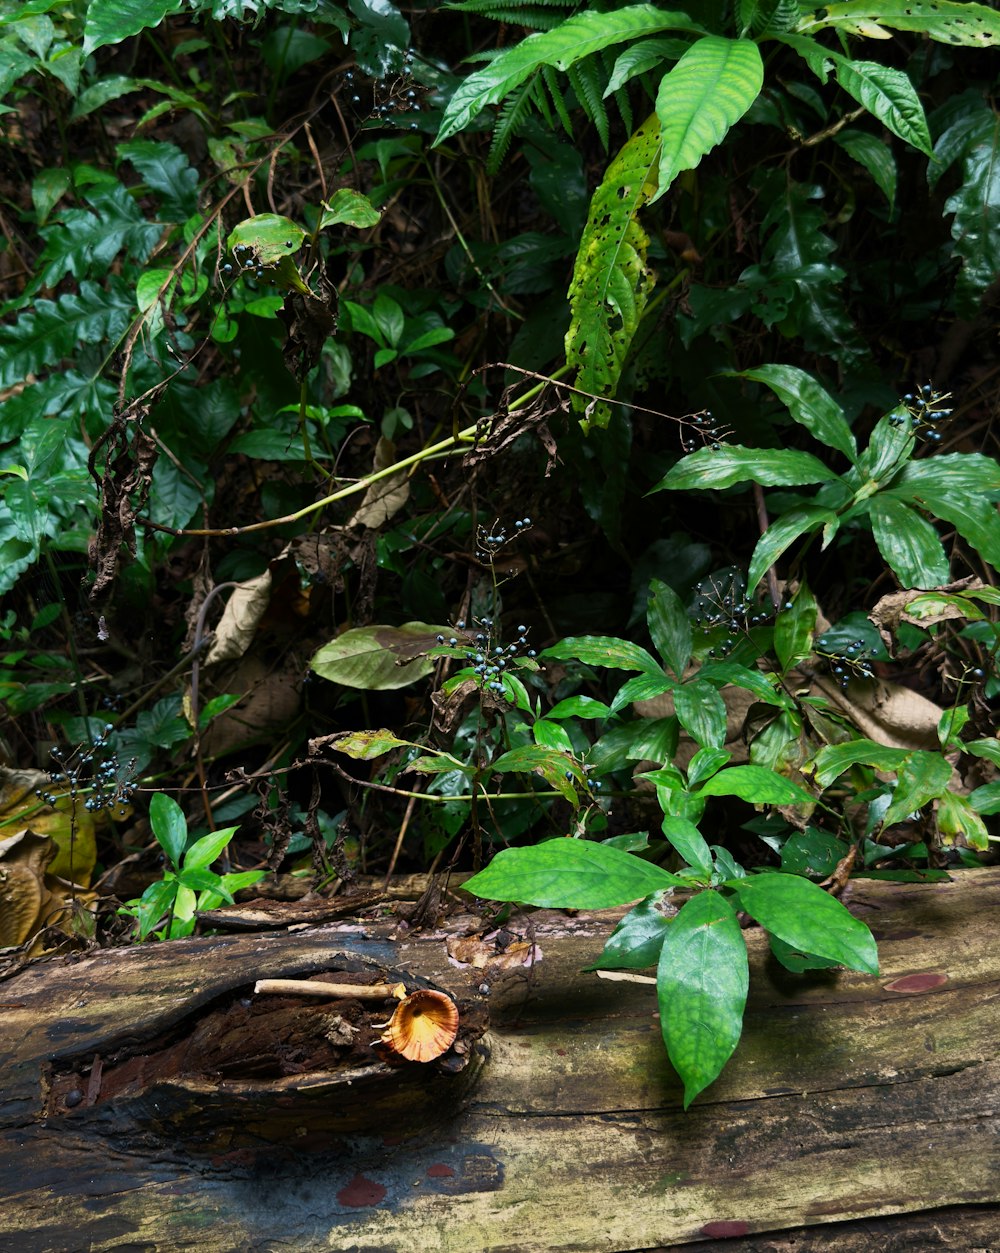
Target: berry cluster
x: 246, y: 260
x: 925, y: 413
x: 388, y: 99
x: 96, y: 770
x: 845, y: 663
x: 721, y: 600
x: 484, y: 652
x: 489, y: 540
x: 703, y: 431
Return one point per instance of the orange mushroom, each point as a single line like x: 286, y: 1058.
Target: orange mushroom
x: 423, y: 1026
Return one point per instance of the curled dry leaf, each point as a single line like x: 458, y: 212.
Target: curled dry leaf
x: 423, y: 1026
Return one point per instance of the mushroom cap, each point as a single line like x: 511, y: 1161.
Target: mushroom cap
x: 423, y: 1026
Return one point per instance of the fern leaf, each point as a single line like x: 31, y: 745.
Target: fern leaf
x: 562, y: 47
x: 585, y: 79
x: 611, y: 280
x: 512, y: 114
x: 552, y: 83
x: 50, y: 332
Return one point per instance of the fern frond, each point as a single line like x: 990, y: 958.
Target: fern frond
x: 558, y: 99
x: 585, y: 79
x: 533, y: 14
x: 515, y: 110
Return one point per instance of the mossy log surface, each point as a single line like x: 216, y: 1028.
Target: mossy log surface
x: 858, y: 1113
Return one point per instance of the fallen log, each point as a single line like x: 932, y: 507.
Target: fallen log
x: 858, y: 1112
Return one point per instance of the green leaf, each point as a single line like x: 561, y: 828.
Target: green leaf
x: 367, y: 745
x: 669, y: 626
x: 701, y: 712
x: 875, y: 156
x: 204, y: 851
x: 808, y: 919
x: 909, y: 543
x: 781, y: 534
x: 812, y: 852
x: 831, y: 762
x: 701, y: 986
x: 112, y: 21
x: 639, y: 57
x: 793, y: 629
x: 771, y: 467
x: 611, y: 280
x: 810, y: 405
x: 723, y: 672
x: 350, y: 208
x: 154, y: 903
x: 642, y: 687
x: 647, y: 739
x: 687, y: 840
x: 949, y: 21
x: 166, y: 170
x: 636, y: 941
x: 579, y: 707
x: 889, y: 95
x: 378, y: 658
x: 707, y: 92
x: 603, y: 650
x: 986, y: 799
x: 988, y: 749
x: 169, y: 826
x: 957, y: 818
x: 569, y: 874
x: 558, y: 770
x: 572, y: 40
x: 976, y: 206
x: 922, y: 778
x: 705, y: 763
x: 756, y: 784
x: 958, y: 487
x: 795, y: 960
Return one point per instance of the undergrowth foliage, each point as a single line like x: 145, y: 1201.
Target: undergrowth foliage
x: 505, y: 436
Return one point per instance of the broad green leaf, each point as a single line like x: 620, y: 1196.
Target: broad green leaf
x: 795, y: 960
x: 669, y: 626
x: 701, y: 986
x: 756, y: 784
x: 445, y: 764
x: 203, y: 852
x: 558, y: 770
x: 367, y: 745
x: 706, y: 92
x: 989, y: 749
x: 641, y: 687
x: 889, y: 95
x: 166, y: 170
x: 570, y: 41
x: 831, y: 762
x: 579, y: 707
x: 378, y: 658
x: 647, y: 739
x: 604, y: 650
x: 889, y: 449
x: 112, y: 21
x: 875, y: 156
x: 705, y: 763
x: 949, y: 21
x: 771, y: 467
x: 723, y: 672
x: 812, y: 852
x: 350, y: 208
x: 807, y: 919
x: 909, y: 543
x: 269, y: 236
x: 922, y: 778
x: 689, y: 842
x: 645, y: 55
x: 169, y: 826
x: 611, y: 280
x: 781, y: 534
x: 154, y: 903
x: 569, y: 874
x: 793, y: 629
x: 701, y: 712
x: 957, y: 818
x: 810, y: 404
x: 986, y: 799
x: 551, y: 735
x: 636, y: 941
x: 976, y: 206
x: 960, y: 488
